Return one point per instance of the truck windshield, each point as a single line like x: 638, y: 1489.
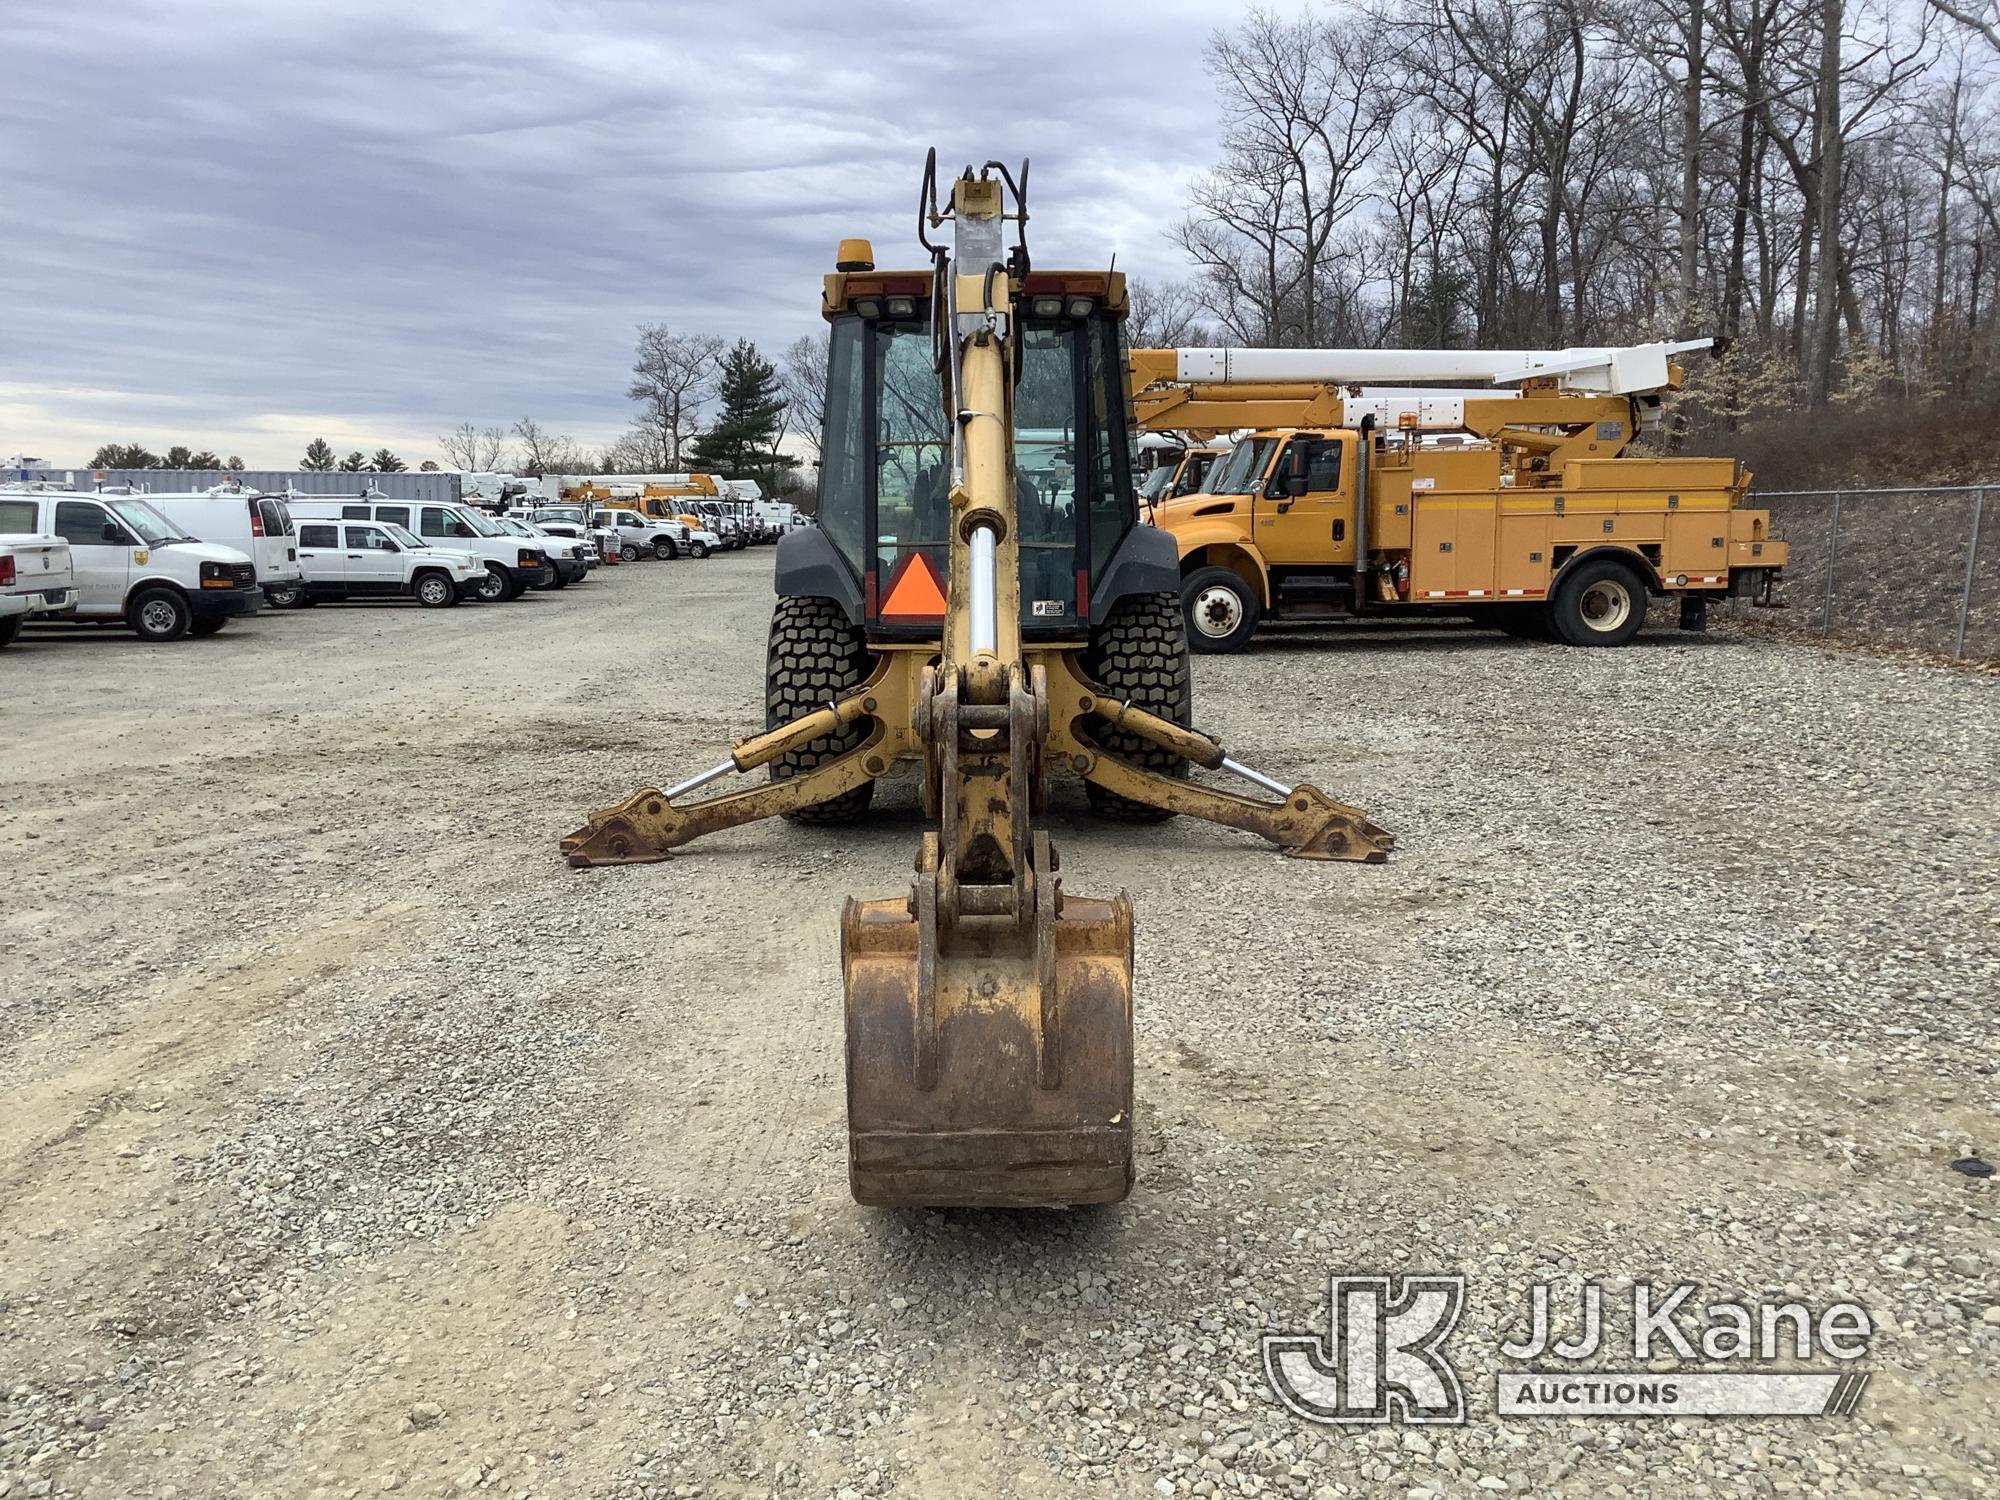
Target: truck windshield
x: 1239, y: 472
x: 404, y: 535
x: 154, y: 529
x: 1156, y: 483
x: 479, y: 524
x: 1194, y: 471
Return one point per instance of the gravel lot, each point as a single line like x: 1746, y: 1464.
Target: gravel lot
x: 353, y: 1144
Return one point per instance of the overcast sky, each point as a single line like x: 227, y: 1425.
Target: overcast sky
x: 242, y: 226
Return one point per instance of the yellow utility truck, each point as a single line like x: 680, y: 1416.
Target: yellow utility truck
x: 1510, y: 500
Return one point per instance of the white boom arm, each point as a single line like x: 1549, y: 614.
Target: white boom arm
x: 1614, y: 371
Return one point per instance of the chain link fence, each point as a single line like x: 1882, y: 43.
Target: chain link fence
x: 1916, y: 568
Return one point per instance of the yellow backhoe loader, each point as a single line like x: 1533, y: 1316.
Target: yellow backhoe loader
x: 979, y: 600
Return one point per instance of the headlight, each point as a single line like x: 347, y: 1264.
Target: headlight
x: 215, y: 575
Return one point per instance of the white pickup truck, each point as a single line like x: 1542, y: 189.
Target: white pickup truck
x: 36, y: 579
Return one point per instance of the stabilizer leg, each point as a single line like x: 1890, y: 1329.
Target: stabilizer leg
x: 641, y: 829
x: 1307, y: 824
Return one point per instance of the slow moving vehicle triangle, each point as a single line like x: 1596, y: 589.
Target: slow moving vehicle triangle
x: 916, y: 594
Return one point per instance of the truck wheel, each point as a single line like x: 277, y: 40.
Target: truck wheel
x: 285, y: 595
x: 208, y: 625
x: 1140, y: 654
x: 435, y: 591
x: 629, y: 552
x: 697, y: 550
x: 159, y: 614
x: 10, y: 627
x: 495, y: 586
x: 1600, y: 602
x: 1221, y: 610
x: 816, y: 655
x: 664, y: 548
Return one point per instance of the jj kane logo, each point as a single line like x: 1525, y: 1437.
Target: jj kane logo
x: 1382, y: 1357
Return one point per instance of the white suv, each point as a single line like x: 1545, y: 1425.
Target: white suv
x: 381, y: 560
x: 135, y: 565
x: 513, y: 565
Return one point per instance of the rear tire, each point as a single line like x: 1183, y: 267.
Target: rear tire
x: 285, y: 595
x: 1140, y: 654
x: 629, y: 552
x: 664, y: 549
x: 10, y: 628
x: 496, y: 586
x: 1221, y: 610
x: 1599, y: 602
x: 159, y: 615
x: 816, y: 655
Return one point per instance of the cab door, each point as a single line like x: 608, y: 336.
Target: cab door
x: 374, y: 561
x: 1313, y: 529
x: 102, y: 551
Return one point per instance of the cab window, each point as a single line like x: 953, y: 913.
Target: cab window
x: 369, y: 539
x: 18, y: 516
x: 434, y: 522
x: 82, y: 525
x: 317, y: 536
x: 400, y: 514
x: 1322, y: 461
x: 355, y: 512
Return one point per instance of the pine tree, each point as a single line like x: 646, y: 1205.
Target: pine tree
x: 204, y: 460
x: 235, y: 464
x: 124, y: 456
x: 177, y: 457
x: 319, y: 457
x: 355, y: 463
x: 385, y: 462
x: 743, y: 442
x: 428, y: 466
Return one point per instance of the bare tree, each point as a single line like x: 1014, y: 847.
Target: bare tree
x: 474, y: 449
x: 672, y: 373
x: 1164, y: 315
x: 544, y: 452
x: 803, y: 375
x: 1983, y: 19
x: 1307, y: 105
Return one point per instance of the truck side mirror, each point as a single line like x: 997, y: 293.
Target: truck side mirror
x: 113, y: 534
x: 1295, y: 480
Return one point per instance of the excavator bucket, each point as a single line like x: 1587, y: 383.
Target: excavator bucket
x: 993, y: 1068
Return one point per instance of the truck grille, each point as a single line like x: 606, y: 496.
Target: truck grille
x: 243, y: 573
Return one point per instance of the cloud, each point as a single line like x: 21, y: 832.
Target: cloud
x: 242, y: 225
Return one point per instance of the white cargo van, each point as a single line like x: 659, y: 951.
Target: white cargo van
x: 36, y: 582
x: 133, y: 564
x: 513, y: 565
x: 249, y: 521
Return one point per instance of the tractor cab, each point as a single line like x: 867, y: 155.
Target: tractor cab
x: 885, y: 480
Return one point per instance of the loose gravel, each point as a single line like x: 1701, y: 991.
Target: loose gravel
x: 354, y: 1145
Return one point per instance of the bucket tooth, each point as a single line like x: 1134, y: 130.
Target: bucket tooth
x: 1012, y: 1086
